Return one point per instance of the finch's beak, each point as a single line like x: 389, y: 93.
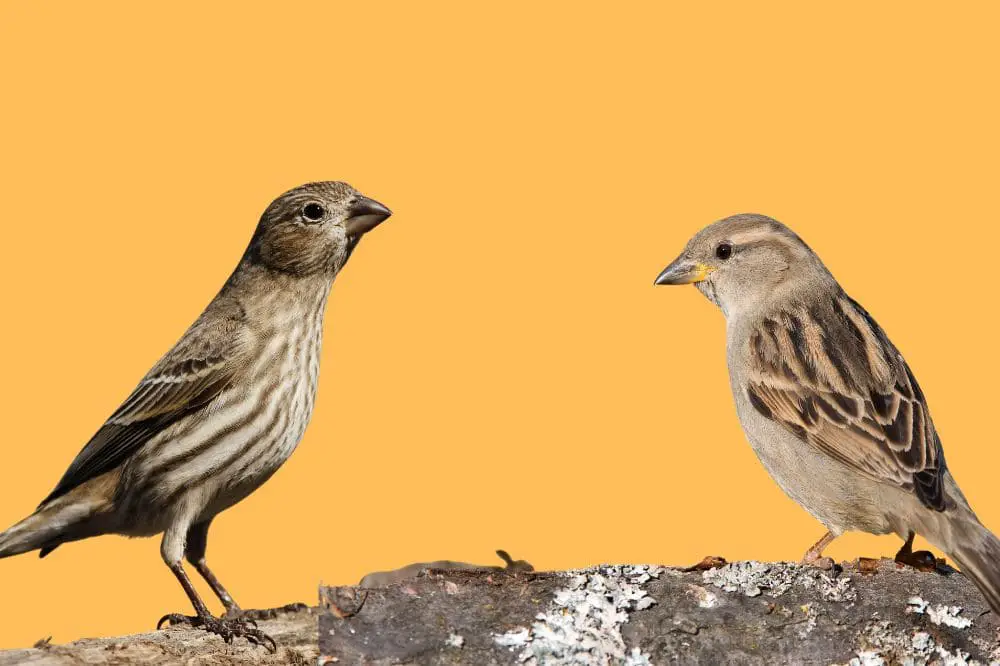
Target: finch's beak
x: 365, y: 215
x: 683, y: 271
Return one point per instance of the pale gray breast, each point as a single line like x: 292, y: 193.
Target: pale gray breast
x: 821, y: 485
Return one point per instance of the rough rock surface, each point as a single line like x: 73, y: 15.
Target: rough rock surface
x: 293, y: 627
x: 867, y: 614
x: 875, y: 613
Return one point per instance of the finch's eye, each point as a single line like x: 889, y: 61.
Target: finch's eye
x: 313, y: 212
x: 724, y: 251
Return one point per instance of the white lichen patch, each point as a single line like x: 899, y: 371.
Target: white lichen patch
x: 637, y: 658
x: 949, y: 616
x: 517, y: 638
x: 881, y: 644
x: 753, y: 578
x: 455, y: 641
x: 705, y: 598
x: 583, y: 625
x: 746, y: 577
x: 867, y: 658
x: 810, y: 622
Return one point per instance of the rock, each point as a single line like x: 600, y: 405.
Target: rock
x: 867, y: 613
x: 293, y: 627
x: 737, y: 613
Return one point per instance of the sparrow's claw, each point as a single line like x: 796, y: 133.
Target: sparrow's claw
x: 227, y: 628
x: 921, y: 560
x: 818, y: 561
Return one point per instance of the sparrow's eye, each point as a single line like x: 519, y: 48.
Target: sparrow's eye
x: 313, y: 212
x: 724, y: 251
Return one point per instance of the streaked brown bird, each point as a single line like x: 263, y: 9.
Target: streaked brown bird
x: 222, y: 410
x: 828, y: 403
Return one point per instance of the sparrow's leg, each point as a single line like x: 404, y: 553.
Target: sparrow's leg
x: 814, y: 556
x: 922, y: 560
x: 172, y: 550
x: 197, y: 544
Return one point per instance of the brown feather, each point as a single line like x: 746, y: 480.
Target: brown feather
x: 202, y: 364
x: 858, y: 402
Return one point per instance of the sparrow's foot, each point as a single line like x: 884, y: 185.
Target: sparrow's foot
x: 824, y: 563
x: 814, y: 556
x: 227, y: 628
x: 921, y: 560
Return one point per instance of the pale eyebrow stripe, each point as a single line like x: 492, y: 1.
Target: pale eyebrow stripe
x: 751, y: 236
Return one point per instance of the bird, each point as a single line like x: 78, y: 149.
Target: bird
x: 827, y: 402
x: 221, y: 411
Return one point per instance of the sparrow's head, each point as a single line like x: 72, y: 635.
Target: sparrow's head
x: 742, y: 260
x: 314, y: 228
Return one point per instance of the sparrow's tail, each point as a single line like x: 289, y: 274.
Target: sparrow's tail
x: 974, y: 548
x: 979, y: 559
x: 64, y: 519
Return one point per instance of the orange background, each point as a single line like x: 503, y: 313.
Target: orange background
x: 498, y: 369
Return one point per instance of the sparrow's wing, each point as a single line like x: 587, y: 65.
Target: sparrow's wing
x: 829, y: 375
x: 201, y: 365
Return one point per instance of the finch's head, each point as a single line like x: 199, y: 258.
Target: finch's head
x: 314, y: 228
x: 743, y: 259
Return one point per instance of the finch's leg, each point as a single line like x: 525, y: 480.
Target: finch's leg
x: 814, y: 556
x: 197, y: 543
x: 172, y: 550
x: 922, y: 560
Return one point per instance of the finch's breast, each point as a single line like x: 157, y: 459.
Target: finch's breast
x: 252, y: 428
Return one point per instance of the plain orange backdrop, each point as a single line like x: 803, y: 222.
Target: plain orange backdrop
x: 499, y: 370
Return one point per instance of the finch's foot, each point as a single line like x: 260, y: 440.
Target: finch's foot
x: 921, y: 560
x: 228, y: 628
x: 253, y: 615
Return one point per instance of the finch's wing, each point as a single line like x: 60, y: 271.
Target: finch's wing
x: 201, y: 365
x: 829, y: 375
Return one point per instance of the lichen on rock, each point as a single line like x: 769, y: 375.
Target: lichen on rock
x: 753, y: 578
x: 583, y: 625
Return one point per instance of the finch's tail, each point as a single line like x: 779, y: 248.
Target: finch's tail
x: 64, y: 519
x: 972, y: 546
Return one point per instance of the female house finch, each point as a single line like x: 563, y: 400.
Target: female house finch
x: 223, y: 409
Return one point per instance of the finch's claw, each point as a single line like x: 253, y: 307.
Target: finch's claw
x: 176, y: 619
x: 227, y: 628
x: 242, y: 616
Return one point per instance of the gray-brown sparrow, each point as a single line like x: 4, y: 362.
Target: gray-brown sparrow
x: 827, y: 402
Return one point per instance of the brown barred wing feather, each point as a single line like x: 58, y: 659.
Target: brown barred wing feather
x: 201, y: 365
x: 830, y: 375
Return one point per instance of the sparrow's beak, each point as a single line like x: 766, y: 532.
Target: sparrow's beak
x: 365, y: 215
x: 683, y: 271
